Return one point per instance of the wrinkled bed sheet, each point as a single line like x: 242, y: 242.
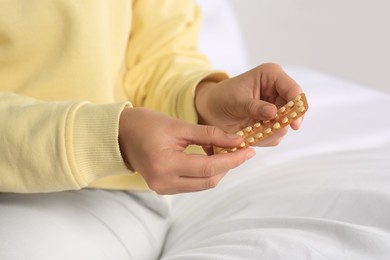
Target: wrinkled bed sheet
x: 324, y: 193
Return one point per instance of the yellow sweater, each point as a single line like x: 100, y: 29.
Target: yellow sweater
x: 68, y: 68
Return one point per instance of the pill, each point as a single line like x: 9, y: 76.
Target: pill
x: 263, y: 129
x: 250, y: 140
x: 293, y: 115
x: 240, y: 133
x: 248, y: 129
x: 259, y: 135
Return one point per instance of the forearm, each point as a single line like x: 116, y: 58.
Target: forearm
x: 52, y: 146
x: 164, y: 65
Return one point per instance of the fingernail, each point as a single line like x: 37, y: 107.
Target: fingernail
x: 250, y: 154
x: 299, y: 122
x: 268, y: 111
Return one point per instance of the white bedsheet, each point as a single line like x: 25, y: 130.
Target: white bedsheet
x: 324, y: 193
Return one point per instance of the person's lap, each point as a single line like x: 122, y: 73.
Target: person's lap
x: 85, y: 224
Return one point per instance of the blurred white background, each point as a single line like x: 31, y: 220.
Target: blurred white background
x: 345, y: 38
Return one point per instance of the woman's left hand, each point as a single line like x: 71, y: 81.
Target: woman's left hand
x: 241, y: 101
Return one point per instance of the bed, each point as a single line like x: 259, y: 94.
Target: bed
x: 324, y: 193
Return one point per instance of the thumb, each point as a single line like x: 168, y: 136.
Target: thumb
x: 211, y: 135
x: 257, y: 109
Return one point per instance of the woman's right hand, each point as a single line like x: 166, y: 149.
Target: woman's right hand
x: 153, y: 144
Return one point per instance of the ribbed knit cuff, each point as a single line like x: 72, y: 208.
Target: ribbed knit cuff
x: 94, y: 142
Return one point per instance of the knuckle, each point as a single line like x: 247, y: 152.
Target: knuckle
x: 155, y: 185
x: 249, y: 107
x: 271, y: 65
x: 210, y: 130
x: 162, y: 192
x: 208, y: 170
x: 277, y: 141
x: 211, y: 183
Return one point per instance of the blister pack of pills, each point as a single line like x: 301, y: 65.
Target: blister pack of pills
x: 287, y: 114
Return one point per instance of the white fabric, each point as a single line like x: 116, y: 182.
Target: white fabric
x: 322, y: 194
x: 86, y: 224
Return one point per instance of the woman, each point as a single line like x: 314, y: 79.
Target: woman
x: 99, y: 103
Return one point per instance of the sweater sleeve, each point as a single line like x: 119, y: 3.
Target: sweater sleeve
x: 54, y: 146
x: 163, y: 64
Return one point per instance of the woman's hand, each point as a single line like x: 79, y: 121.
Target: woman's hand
x: 153, y: 144
x: 248, y: 98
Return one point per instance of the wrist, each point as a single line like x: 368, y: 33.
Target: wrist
x: 123, y: 126
x: 201, y: 100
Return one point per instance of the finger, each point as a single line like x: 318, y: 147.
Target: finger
x: 279, y: 102
x: 286, y: 87
x: 206, y: 135
x: 257, y: 109
x: 203, y: 166
x: 297, y: 123
x: 178, y: 184
x: 188, y: 184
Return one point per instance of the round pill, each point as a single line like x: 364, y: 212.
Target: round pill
x: 248, y: 129
x: 293, y: 115
x: 240, y: 133
x: 259, y: 135
x: 250, y: 140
